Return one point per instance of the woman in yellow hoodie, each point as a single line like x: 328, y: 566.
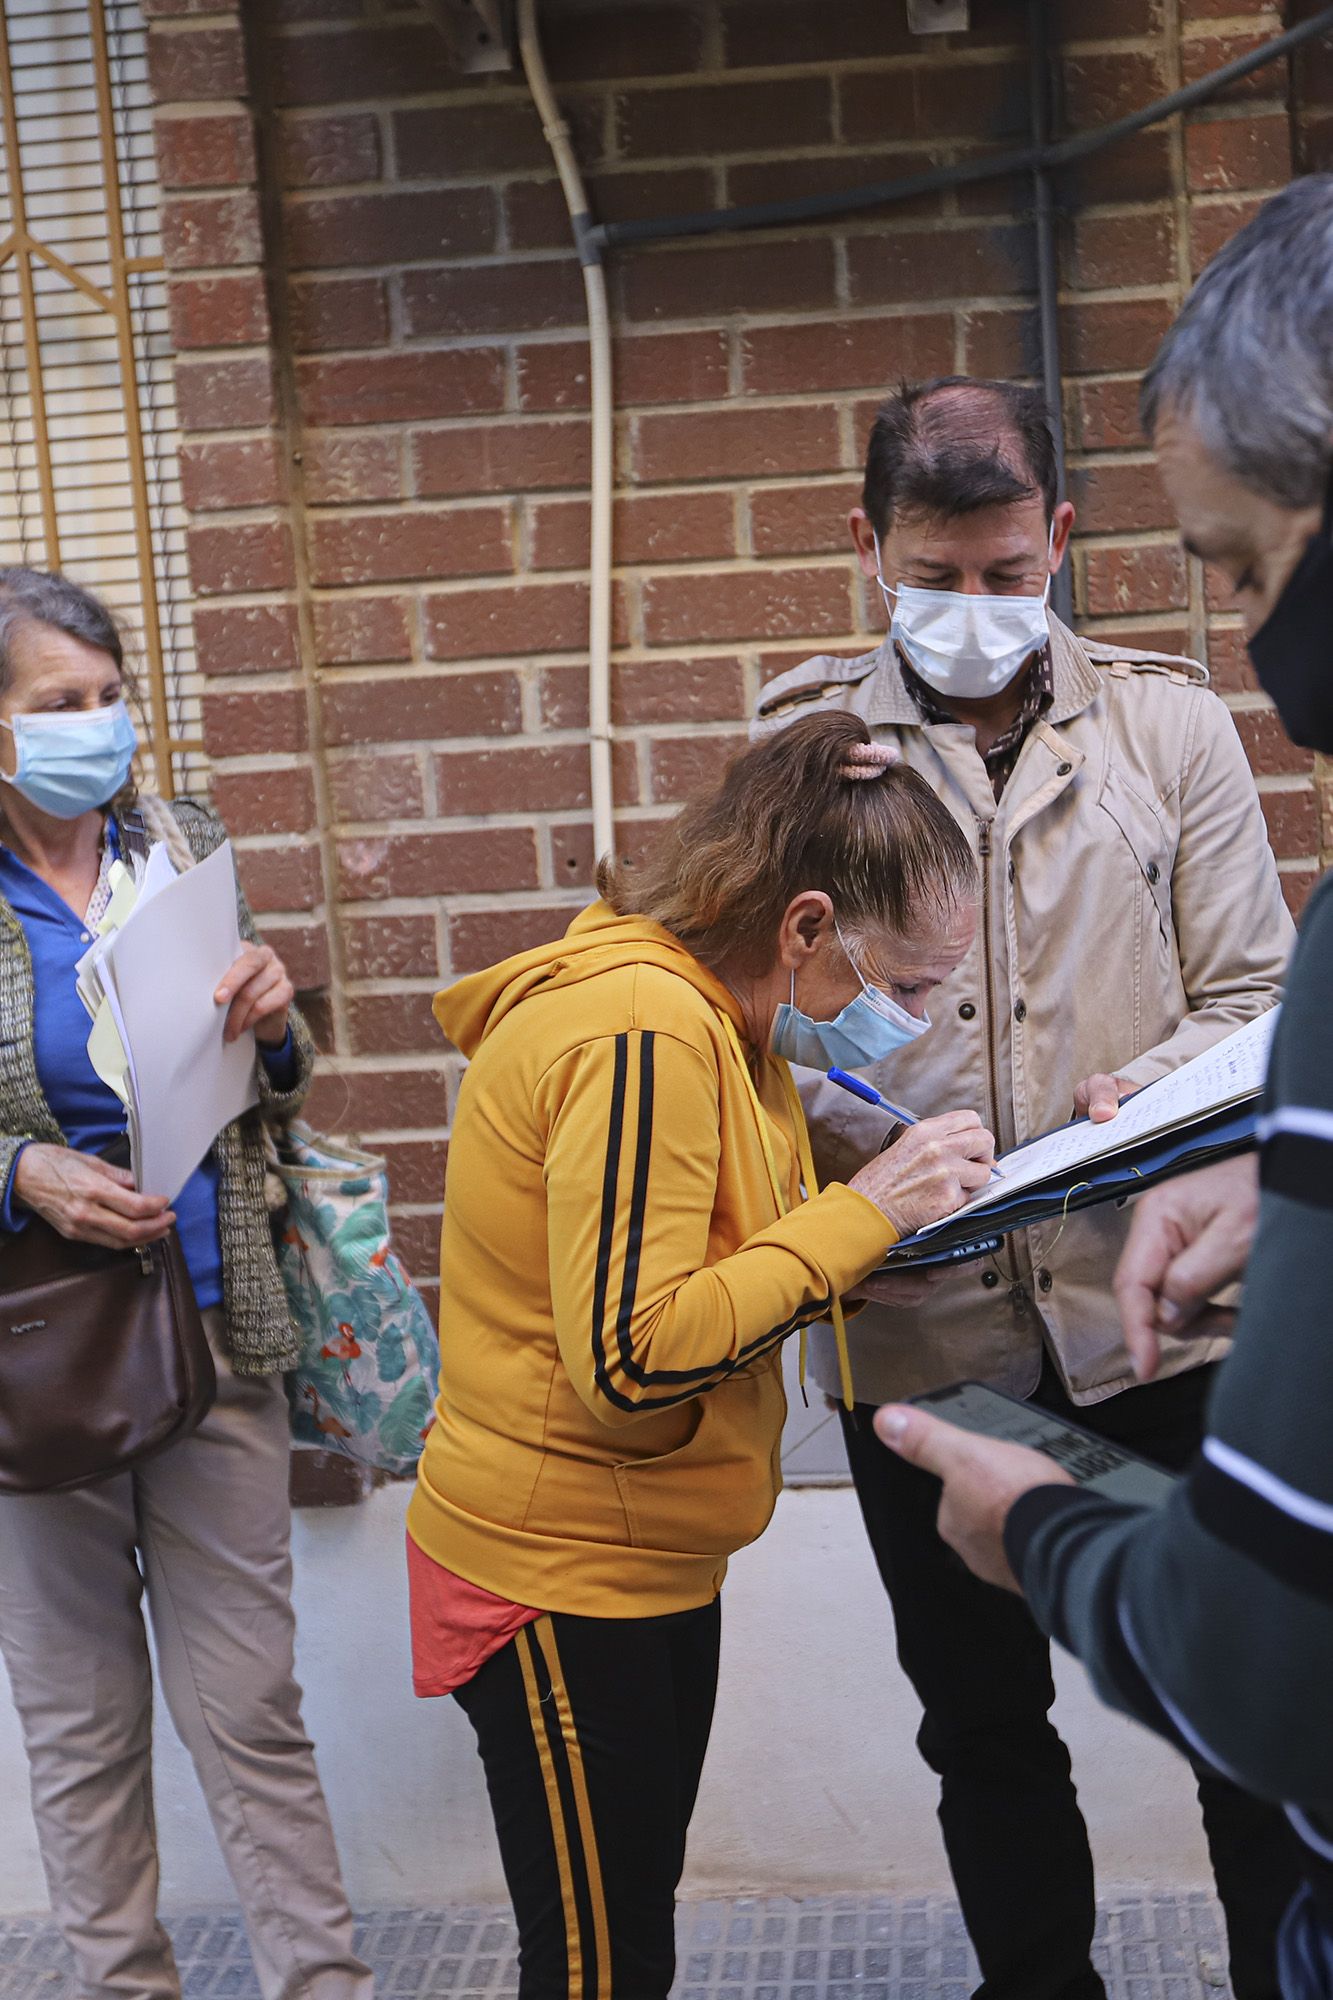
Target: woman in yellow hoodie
x: 632, y: 1230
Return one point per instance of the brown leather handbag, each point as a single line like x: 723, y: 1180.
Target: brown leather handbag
x: 103, y: 1358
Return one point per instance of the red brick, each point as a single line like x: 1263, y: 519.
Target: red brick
x: 408, y: 708
x: 202, y: 230
x: 376, y: 787
x: 744, y: 604
x: 328, y: 152
x: 416, y: 1240
x: 1293, y: 823
x: 686, y: 765
x: 1201, y: 54
x: 400, y: 388
x: 1112, y: 496
x: 1071, y: 22
x: 735, y: 443
x: 500, y: 458
x: 406, y: 225
x: 791, y: 178
x: 846, y: 354
x: 1134, y: 249
x: 1214, y: 221
x: 387, y: 548
x: 303, y: 948
x: 1107, y: 334
x: 244, y: 723
x: 964, y: 263
x: 648, y: 691
x: 483, y: 937
x: 437, y: 142
x: 1099, y: 88
x: 246, y: 638
x: 358, y: 63
x: 537, y: 218
x: 362, y: 467
x: 1229, y: 153
x: 1267, y: 745
x: 338, y: 313
x: 1229, y: 661
x: 571, y: 844
x: 1123, y: 580
x: 218, y: 312
x: 437, y: 864
x: 281, y: 877
x: 214, y: 150
x: 390, y: 947
x: 614, y: 41
x: 509, y: 618
x: 1298, y: 885
x: 647, y: 528
x: 195, y: 64
x: 394, y: 1024
x: 685, y: 367
x: 387, y: 1100
x: 1152, y: 634
x: 416, y: 1167
x: 230, y: 472
x: 493, y: 298
x: 971, y: 100
x: 241, y: 556
x: 802, y: 520
x: 1108, y: 415
x: 225, y: 395
x: 280, y: 801
x: 755, y: 117
x: 812, y: 32
x: 744, y: 277
x: 547, y: 777
x: 359, y: 631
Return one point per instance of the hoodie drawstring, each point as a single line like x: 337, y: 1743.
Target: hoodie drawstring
x: 810, y: 1179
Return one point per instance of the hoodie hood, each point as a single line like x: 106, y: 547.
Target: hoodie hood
x: 597, y: 941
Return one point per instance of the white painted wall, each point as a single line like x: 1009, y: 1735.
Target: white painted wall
x: 813, y: 1782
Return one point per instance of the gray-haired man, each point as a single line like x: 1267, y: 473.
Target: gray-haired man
x: 1118, y: 833
x: 1211, y: 1618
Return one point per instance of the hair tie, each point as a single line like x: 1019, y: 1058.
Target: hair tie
x: 869, y: 760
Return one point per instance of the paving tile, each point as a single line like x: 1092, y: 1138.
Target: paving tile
x: 1150, y: 1946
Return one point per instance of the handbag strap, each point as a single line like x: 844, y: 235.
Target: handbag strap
x: 153, y: 818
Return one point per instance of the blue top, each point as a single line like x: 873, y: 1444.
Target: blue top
x: 90, y: 1114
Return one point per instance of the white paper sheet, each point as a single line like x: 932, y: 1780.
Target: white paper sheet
x: 160, y: 972
x: 1231, y: 1070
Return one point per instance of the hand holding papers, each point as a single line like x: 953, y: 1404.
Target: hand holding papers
x: 1200, y: 1112
x: 157, y: 1036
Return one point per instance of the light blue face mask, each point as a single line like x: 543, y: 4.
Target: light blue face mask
x: 869, y: 1028
x: 72, y: 764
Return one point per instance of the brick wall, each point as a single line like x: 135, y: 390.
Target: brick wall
x: 383, y: 381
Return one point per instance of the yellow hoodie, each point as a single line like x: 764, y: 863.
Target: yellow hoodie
x: 624, y: 1251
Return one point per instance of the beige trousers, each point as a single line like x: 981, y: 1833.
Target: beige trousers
x: 209, y: 1522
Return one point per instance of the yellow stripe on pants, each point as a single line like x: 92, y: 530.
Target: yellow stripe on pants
x: 563, y: 1862
x: 545, y: 1633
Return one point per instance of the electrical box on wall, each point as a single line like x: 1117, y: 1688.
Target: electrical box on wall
x: 937, y: 17
x: 479, y: 34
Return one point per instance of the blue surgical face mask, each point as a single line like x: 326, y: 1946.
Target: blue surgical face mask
x: 869, y: 1028
x: 72, y: 764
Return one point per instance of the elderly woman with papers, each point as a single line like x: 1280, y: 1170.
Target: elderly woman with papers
x: 201, y: 1527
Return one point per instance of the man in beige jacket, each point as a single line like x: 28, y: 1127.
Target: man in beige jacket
x: 1131, y: 915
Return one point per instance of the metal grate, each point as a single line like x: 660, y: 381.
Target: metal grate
x: 89, y: 469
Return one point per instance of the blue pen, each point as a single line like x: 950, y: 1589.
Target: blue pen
x: 869, y: 1095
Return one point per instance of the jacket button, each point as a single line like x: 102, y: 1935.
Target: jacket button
x: 966, y: 1011
x: 1154, y: 872
x: 1013, y: 872
x: 1044, y: 1281
x: 1021, y: 1011
x: 1063, y: 770
x: 990, y: 1279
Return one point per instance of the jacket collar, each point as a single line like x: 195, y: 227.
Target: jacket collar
x: 1075, y: 682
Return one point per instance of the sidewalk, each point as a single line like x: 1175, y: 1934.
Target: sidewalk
x: 1150, y: 1947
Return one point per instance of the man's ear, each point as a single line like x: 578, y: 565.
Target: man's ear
x: 1062, y: 524
x: 863, y: 541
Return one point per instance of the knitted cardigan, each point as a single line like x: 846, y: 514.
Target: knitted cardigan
x: 259, y: 1333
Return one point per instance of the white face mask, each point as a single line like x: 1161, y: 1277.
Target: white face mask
x: 962, y: 644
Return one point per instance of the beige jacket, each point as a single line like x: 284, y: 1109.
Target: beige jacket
x: 1131, y: 916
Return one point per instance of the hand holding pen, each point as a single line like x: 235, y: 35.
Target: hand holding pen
x: 869, y: 1095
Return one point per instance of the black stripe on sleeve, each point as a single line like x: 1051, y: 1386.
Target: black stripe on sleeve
x: 610, y: 1177
x: 1296, y: 1552
x: 1300, y: 1166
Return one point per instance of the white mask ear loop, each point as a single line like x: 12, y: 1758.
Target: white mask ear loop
x: 889, y: 595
